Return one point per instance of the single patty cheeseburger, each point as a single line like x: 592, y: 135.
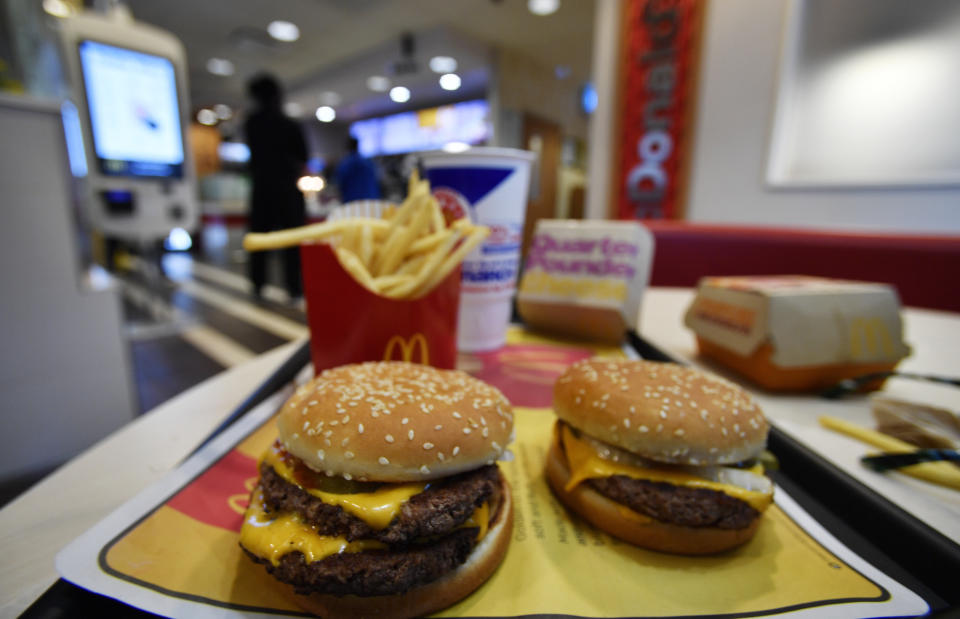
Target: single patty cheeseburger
x: 382, y: 495
x: 659, y: 454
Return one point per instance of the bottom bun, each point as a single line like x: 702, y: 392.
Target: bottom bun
x: 428, y: 598
x: 621, y: 521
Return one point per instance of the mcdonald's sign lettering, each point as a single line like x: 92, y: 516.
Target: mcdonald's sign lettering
x: 869, y: 337
x: 407, y: 348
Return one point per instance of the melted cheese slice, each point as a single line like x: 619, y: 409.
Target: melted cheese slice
x: 480, y: 518
x: 270, y: 536
x: 377, y: 508
x: 585, y: 463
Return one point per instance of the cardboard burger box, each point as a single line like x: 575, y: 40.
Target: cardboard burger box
x: 797, y: 333
x: 585, y: 279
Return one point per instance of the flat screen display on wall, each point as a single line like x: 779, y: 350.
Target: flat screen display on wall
x: 427, y: 129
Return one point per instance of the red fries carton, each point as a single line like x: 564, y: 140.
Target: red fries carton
x: 350, y: 324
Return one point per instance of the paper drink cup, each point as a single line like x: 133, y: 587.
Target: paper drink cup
x: 488, y: 185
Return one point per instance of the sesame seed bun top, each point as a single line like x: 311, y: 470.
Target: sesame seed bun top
x: 662, y: 411
x: 392, y: 421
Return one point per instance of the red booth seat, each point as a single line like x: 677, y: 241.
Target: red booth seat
x: 924, y: 269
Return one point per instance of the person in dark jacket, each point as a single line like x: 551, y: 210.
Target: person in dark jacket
x: 278, y: 156
x: 357, y: 176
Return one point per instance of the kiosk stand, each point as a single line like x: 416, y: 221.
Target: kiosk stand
x: 129, y: 82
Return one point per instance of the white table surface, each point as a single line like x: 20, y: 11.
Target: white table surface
x: 35, y: 526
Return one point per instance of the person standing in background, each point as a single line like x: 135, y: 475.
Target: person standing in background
x: 357, y: 176
x: 278, y: 156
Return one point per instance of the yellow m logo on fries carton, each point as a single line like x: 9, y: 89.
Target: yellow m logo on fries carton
x: 407, y: 347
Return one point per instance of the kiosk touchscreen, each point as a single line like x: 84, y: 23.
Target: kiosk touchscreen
x: 129, y: 84
x: 134, y: 111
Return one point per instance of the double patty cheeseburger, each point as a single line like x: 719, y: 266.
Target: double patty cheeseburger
x: 659, y: 455
x: 382, y: 496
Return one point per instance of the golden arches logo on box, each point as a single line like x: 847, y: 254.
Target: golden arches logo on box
x: 869, y: 337
x: 407, y: 348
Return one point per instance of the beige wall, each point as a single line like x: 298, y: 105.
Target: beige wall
x: 523, y: 85
x: 737, y: 94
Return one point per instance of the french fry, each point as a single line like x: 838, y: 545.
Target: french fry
x: 259, y: 241
x: 439, y: 223
x: 391, y: 281
x: 353, y: 266
x: 413, y: 181
x: 397, y: 247
x: 419, y: 225
x: 474, y: 238
x: 433, y: 259
x: 403, y: 254
x: 942, y: 473
x: 412, y: 265
x: 350, y: 239
x: 426, y: 243
x: 366, y: 246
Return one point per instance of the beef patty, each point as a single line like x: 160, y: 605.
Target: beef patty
x: 374, y: 572
x: 442, y: 507
x: 689, y: 507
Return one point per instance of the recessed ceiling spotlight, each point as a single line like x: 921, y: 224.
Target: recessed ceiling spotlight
x: 400, y: 94
x: 456, y: 147
x: 283, y: 31
x: 378, y: 83
x: 57, y: 8
x: 443, y: 64
x: 206, y: 116
x: 292, y: 108
x: 330, y: 98
x: 220, y: 66
x: 223, y: 111
x: 326, y: 114
x: 543, y: 7
x: 450, y: 81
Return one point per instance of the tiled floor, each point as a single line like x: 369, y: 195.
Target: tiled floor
x: 195, y: 322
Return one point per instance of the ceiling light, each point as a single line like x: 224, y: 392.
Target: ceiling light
x: 456, y: 147
x: 283, y: 31
x: 326, y: 114
x: 308, y: 184
x: 206, y: 116
x: 400, y: 94
x: 443, y: 64
x: 378, y: 83
x: 330, y: 98
x: 543, y: 7
x: 292, y: 108
x: 223, y: 111
x: 57, y: 8
x: 178, y: 240
x: 450, y: 81
x: 220, y: 66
